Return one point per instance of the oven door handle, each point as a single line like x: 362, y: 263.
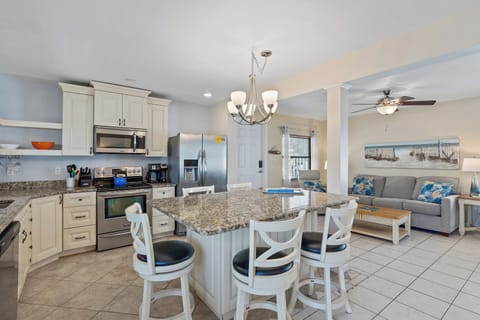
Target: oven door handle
x: 114, y: 234
x: 134, y: 141
x: 123, y: 192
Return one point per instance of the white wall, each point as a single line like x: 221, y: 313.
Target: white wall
x: 449, y: 119
x: 25, y: 98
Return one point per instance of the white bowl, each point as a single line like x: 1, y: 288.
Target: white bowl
x: 9, y: 146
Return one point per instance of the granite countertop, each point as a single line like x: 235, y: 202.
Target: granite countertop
x: 224, y: 211
x: 23, y: 192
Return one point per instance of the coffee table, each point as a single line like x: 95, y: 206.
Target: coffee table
x: 382, y: 222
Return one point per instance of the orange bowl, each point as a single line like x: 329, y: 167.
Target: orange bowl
x: 43, y: 145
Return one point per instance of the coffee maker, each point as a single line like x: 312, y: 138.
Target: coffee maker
x: 157, y: 173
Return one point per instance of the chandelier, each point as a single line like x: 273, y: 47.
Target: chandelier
x: 246, y: 108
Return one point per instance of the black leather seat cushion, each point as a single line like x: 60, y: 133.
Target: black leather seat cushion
x: 170, y: 252
x: 241, y: 260
x: 312, y: 242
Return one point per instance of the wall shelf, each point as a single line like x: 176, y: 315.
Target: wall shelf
x: 29, y: 152
x: 31, y: 124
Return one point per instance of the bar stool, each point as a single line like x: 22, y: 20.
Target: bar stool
x: 268, y: 270
x: 162, y: 261
x: 327, y: 251
x: 246, y: 186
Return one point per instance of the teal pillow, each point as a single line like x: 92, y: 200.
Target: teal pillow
x: 318, y: 187
x: 363, y: 186
x: 309, y: 185
x: 434, y: 191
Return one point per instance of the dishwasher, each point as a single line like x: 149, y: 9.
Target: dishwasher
x: 9, y: 271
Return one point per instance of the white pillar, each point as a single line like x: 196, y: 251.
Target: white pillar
x: 337, y: 138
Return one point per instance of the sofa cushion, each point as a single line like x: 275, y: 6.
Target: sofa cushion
x: 378, y: 184
x: 388, y: 203
x: 428, y: 208
x: 363, y: 185
x: 399, y: 187
x: 434, y: 191
x: 421, y: 180
x: 364, y: 199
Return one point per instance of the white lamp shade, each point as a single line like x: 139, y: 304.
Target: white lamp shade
x: 471, y: 165
x: 386, y: 110
x: 231, y: 108
x: 267, y: 108
x: 270, y: 97
x: 238, y: 97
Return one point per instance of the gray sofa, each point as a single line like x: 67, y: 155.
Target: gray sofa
x: 401, y: 192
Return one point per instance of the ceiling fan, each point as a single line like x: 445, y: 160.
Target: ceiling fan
x: 388, y: 105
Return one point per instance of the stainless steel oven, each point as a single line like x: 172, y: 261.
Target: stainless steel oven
x: 119, y: 140
x: 113, y: 228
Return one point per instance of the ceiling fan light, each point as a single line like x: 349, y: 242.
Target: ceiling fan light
x: 388, y: 109
x: 232, y: 109
x: 238, y: 97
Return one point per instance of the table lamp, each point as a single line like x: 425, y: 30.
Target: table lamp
x: 472, y: 165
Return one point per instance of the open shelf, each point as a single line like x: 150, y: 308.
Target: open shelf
x: 30, y: 124
x: 29, y: 152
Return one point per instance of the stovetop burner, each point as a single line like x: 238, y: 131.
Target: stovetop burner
x: 109, y: 186
x: 104, y: 179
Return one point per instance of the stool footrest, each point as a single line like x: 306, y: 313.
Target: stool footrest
x: 337, y: 303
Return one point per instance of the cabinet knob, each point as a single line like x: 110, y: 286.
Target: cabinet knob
x: 119, y: 121
x: 91, y: 150
x: 124, y: 122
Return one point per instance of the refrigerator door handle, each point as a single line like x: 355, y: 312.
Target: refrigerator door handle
x: 204, y: 166
x: 200, y: 166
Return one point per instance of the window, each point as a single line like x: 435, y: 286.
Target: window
x: 299, y: 155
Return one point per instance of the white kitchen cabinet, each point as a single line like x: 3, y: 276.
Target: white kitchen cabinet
x: 46, y: 227
x: 157, y: 129
x: 77, y: 137
x: 79, y: 220
x: 160, y: 222
x: 118, y: 106
x: 24, y: 245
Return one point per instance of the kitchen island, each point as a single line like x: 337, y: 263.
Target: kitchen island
x: 217, y: 226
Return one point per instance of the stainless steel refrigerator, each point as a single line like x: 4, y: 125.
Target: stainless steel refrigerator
x: 197, y: 160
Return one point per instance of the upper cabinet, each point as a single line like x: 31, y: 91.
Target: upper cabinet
x: 157, y: 129
x: 77, y: 136
x: 117, y: 106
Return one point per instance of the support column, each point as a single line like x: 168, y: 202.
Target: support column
x: 338, y: 105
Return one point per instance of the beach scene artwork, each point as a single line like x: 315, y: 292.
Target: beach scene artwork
x: 426, y: 154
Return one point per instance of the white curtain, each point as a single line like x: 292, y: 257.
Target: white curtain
x: 285, y: 148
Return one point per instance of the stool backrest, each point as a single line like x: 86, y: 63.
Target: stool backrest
x: 246, y: 186
x: 142, y: 237
x: 198, y: 190
x: 291, y: 246
x: 342, y: 219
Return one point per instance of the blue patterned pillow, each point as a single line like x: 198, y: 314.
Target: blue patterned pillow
x: 434, y: 191
x: 318, y: 187
x: 309, y: 185
x: 363, y: 185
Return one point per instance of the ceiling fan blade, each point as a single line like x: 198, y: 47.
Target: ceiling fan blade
x: 418, y: 103
x: 405, y: 98
x: 364, y: 104
x: 357, y: 111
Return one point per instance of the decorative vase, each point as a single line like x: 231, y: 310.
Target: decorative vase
x: 474, y: 187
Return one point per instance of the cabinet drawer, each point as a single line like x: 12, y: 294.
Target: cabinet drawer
x: 159, y: 193
x: 161, y: 225
x: 79, y: 199
x: 79, y: 237
x: 79, y: 216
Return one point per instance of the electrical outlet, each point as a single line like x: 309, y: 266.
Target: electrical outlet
x: 58, y: 171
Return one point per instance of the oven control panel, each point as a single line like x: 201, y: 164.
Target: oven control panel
x: 108, y: 172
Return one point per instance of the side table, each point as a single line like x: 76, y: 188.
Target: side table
x: 464, y: 200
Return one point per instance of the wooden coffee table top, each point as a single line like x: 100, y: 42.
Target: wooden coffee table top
x: 382, y: 212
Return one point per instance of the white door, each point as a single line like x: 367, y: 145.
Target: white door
x: 134, y: 112
x: 77, y: 124
x: 249, y: 153
x: 157, y: 131
x: 108, y: 109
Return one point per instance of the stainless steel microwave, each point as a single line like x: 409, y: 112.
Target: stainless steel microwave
x: 119, y: 140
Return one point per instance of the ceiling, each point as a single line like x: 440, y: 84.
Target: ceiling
x: 180, y: 49
x: 454, y: 79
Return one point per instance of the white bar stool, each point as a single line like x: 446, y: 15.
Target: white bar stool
x: 327, y: 251
x: 161, y: 261
x: 268, y: 270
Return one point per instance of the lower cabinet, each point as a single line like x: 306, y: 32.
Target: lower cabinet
x: 46, y: 227
x: 24, y: 245
x: 160, y: 222
x: 79, y: 220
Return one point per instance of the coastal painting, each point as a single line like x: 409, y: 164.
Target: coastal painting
x: 426, y: 154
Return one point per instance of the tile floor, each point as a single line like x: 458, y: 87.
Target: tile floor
x: 427, y: 276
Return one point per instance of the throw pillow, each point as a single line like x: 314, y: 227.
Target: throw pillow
x: 363, y: 186
x: 434, y: 191
x: 309, y: 185
x: 318, y: 187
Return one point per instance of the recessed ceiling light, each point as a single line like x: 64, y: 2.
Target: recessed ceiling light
x: 130, y: 79
x: 207, y: 94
